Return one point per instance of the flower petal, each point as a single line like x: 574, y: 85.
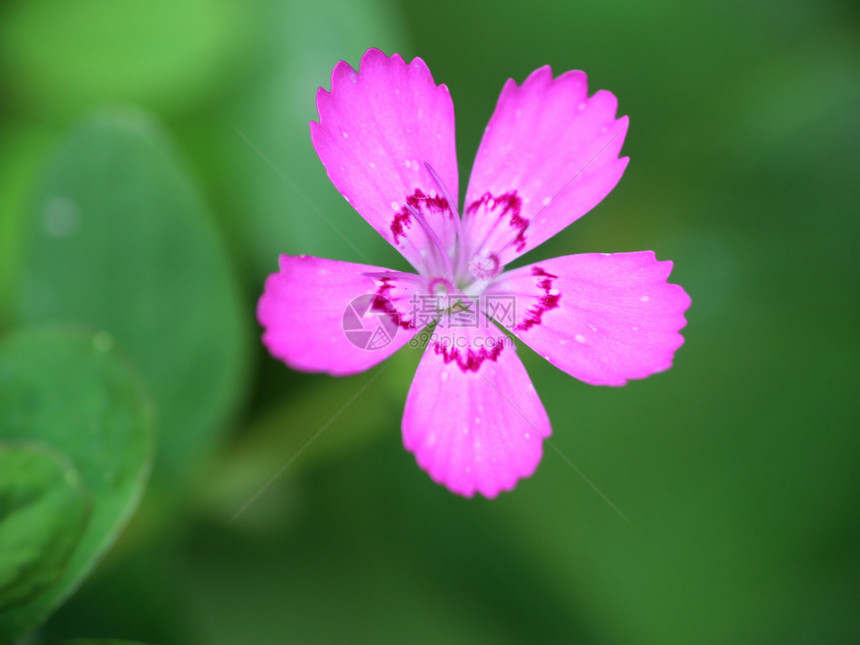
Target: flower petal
x: 473, y: 418
x: 603, y: 318
x: 327, y: 316
x: 548, y: 156
x: 378, y: 128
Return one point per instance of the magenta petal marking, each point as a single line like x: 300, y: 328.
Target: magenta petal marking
x: 420, y: 202
x: 501, y: 207
x: 549, y: 300
x: 471, y: 359
x: 382, y: 302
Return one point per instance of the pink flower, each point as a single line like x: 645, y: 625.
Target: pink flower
x: 548, y: 156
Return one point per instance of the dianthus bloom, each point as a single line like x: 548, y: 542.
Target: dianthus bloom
x: 548, y: 156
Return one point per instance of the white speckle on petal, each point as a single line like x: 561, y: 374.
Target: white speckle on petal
x: 345, y: 134
x: 395, y: 206
x: 323, y: 271
x: 431, y: 439
x: 444, y: 376
x: 372, y: 165
x: 606, y: 255
x: 581, y: 106
x: 592, y: 327
x: 466, y: 430
x: 579, y: 338
x: 546, y: 200
x: 635, y: 328
x: 477, y: 423
x: 527, y: 435
x: 644, y: 298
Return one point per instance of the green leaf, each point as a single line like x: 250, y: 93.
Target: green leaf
x: 69, y: 391
x: 121, y: 241
x: 43, y: 512
x: 61, y: 58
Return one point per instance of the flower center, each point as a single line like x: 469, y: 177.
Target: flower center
x: 440, y: 288
x: 485, y: 265
x: 463, y: 270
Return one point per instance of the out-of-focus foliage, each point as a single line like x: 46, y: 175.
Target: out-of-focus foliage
x: 87, y: 423
x: 157, y: 53
x: 155, y: 159
x: 22, y: 152
x: 97, y: 642
x: 120, y: 240
x: 256, y: 146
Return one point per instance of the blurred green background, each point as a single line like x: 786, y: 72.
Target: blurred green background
x: 154, y: 161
